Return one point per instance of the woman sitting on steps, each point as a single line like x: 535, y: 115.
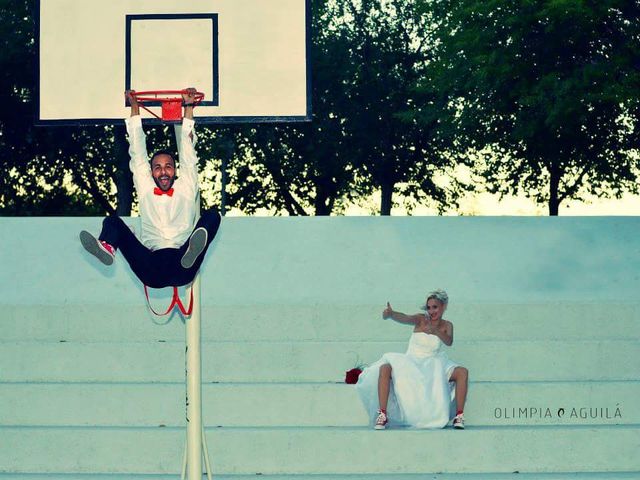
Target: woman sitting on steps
x: 416, y: 388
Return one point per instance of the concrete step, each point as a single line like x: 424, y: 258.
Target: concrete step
x: 113, y: 322
x: 369, y: 476
x: 400, y: 476
x: 249, y: 451
x: 310, y: 361
x: 306, y: 405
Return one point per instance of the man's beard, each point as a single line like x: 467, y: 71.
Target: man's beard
x: 159, y: 184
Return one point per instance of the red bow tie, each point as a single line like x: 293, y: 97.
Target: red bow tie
x: 158, y: 191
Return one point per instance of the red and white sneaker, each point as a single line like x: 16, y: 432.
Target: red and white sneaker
x: 458, y: 421
x: 98, y: 248
x: 381, y: 421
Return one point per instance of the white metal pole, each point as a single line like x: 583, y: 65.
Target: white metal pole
x: 194, y: 388
x: 192, y: 462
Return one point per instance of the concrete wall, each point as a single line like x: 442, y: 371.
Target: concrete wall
x: 546, y: 314
x: 348, y: 261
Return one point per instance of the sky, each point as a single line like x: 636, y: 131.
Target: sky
x: 487, y: 204
x: 490, y: 205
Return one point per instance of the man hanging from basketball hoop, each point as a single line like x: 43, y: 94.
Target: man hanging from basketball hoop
x: 172, y: 245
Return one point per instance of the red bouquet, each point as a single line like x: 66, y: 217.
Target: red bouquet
x: 352, y: 376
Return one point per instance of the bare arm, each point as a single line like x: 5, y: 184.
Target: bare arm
x: 445, y: 333
x: 399, y: 316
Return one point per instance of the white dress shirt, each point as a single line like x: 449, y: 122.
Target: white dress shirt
x: 167, y: 221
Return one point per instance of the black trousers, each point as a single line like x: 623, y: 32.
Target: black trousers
x: 157, y: 268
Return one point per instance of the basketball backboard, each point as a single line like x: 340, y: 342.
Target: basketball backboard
x: 249, y: 57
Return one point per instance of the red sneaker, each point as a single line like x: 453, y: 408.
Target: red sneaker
x: 381, y: 421
x: 98, y: 248
x: 108, y: 248
x: 458, y: 421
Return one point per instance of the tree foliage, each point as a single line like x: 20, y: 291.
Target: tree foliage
x: 401, y: 92
x: 304, y: 168
x: 390, y: 45
x: 367, y: 56
x: 548, y: 86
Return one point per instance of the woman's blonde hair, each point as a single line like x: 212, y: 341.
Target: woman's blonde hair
x: 439, y: 295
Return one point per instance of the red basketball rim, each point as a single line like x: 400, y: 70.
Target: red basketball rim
x: 164, y: 96
x: 170, y: 100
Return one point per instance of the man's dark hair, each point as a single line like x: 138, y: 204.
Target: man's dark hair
x: 162, y: 152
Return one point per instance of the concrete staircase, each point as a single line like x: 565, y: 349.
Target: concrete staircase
x: 92, y: 387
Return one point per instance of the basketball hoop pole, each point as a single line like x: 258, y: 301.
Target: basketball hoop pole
x: 196, y: 445
x: 194, y: 388
x: 196, y: 442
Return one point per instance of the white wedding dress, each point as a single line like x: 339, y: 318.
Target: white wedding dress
x: 421, y: 395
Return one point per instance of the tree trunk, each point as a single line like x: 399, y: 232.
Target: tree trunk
x: 227, y: 151
x: 554, y: 183
x: 386, y: 198
x: 123, y: 176
x: 321, y: 203
x: 225, y: 181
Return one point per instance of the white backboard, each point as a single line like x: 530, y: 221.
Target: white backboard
x: 249, y: 57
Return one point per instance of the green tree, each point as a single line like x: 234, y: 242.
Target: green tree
x: 391, y: 48
x: 544, y: 85
x: 367, y: 57
x: 303, y: 168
